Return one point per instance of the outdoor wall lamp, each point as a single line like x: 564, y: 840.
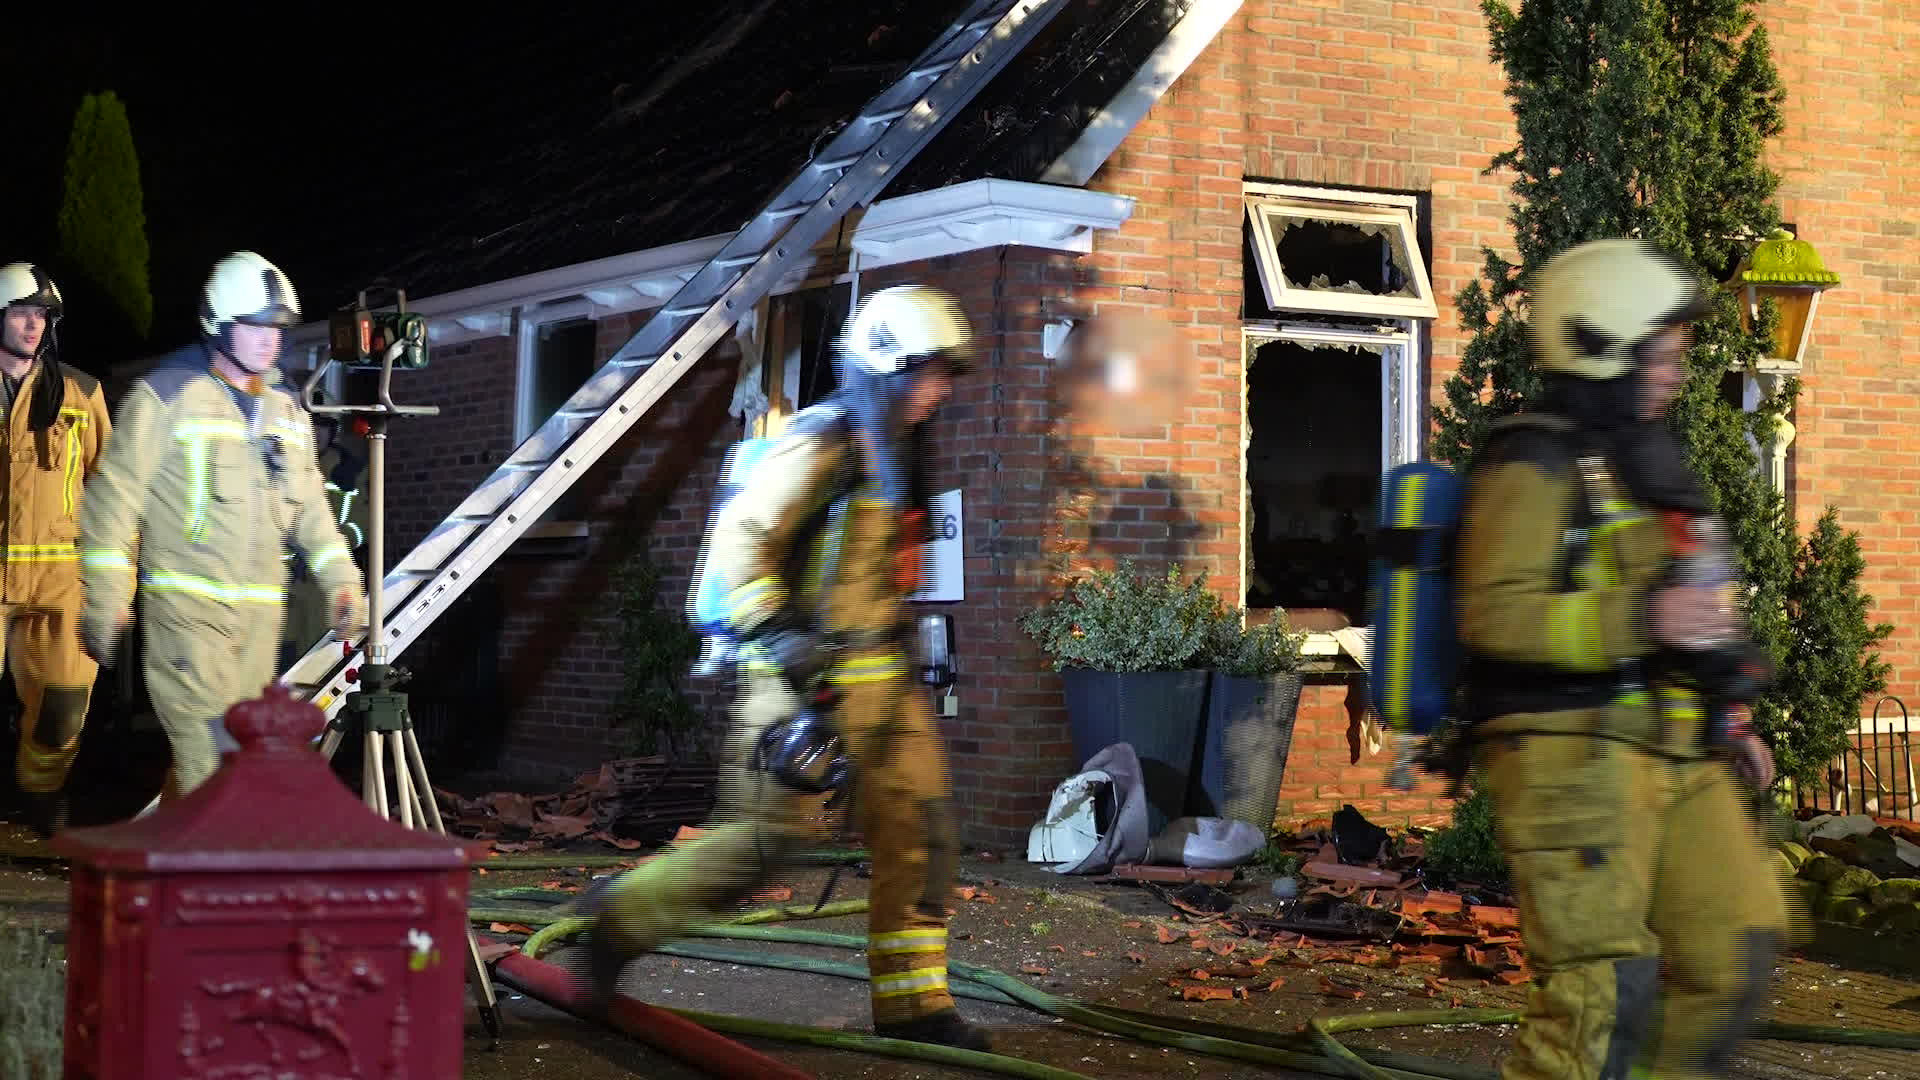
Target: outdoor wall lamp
x: 937, y: 668
x: 1789, y: 272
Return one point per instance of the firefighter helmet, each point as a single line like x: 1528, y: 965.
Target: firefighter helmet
x: 26, y: 285
x: 245, y: 288
x: 893, y: 335
x: 901, y: 327
x: 1594, y: 304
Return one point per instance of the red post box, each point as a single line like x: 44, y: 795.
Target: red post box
x: 266, y: 926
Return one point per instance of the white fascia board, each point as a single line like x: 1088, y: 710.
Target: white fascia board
x: 622, y: 283
x: 1110, y: 127
x: 982, y: 214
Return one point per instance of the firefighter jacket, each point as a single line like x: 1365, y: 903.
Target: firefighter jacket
x: 808, y: 536
x: 1553, y: 600
x: 203, y: 487
x: 49, y: 460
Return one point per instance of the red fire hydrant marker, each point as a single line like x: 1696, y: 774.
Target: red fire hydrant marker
x: 658, y: 1028
x: 267, y: 919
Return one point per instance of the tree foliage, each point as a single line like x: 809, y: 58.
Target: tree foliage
x: 103, y: 224
x: 1648, y: 118
x: 656, y: 648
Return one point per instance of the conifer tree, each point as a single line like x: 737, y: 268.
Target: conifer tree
x: 103, y: 224
x: 1648, y: 118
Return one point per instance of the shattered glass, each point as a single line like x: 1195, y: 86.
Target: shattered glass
x: 1361, y: 258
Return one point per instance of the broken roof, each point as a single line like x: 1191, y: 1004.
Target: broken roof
x: 559, y: 141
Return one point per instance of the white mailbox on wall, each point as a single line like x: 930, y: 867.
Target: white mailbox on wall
x: 945, y: 567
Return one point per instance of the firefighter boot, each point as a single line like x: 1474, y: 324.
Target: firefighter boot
x: 944, y: 1027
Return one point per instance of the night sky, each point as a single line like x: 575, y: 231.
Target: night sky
x: 344, y: 144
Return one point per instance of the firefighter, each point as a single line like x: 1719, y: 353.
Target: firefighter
x: 1648, y: 900
x: 212, y: 468
x: 345, y: 470
x: 822, y: 540
x: 56, y: 423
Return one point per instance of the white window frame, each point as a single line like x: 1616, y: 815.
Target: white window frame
x: 1400, y: 345
x: 527, y: 357
x: 1264, y: 201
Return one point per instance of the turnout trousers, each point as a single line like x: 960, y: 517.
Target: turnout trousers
x: 903, y: 804
x: 54, y: 677
x: 204, y: 656
x: 1650, y: 908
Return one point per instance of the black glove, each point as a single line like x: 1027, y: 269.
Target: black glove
x: 801, y: 655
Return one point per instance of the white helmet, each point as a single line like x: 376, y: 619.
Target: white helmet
x: 896, y: 327
x: 1594, y: 303
x: 26, y: 284
x: 246, y: 288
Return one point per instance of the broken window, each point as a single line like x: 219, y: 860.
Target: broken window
x: 1313, y: 472
x: 1335, y: 257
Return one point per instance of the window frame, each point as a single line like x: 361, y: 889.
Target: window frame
x: 527, y: 356
x: 1341, y: 206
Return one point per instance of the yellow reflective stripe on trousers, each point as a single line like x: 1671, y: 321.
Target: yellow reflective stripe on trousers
x: 107, y: 558
x: 869, y: 669
x: 917, y: 981
x: 929, y: 939
x: 1399, y: 683
x: 42, y: 552
x: 199, y: 586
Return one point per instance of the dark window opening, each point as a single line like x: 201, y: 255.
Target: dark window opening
x: 1313, y: 476
x: 564, y: 358
x: 1339, y: 255
x: 815, y: 318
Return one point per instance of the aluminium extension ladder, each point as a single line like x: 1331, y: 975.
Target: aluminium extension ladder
x: 851, y: 170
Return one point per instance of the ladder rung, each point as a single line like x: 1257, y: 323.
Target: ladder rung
x: 416, y: 573
x: 527, y: 466
x: 887, y: 117
x: 634, y: 362
x: 734, y: 262
x: 789, y: 210
x: 579, y: 414
x: 839, y: 164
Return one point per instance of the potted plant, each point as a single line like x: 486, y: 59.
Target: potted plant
x: 1252, y: 699
x: 1131, y: 649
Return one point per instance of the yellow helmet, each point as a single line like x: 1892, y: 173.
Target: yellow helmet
x: 1594, y: 303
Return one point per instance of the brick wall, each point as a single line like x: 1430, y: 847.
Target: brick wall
x: 1399, y: 97
x: 1371, y: 93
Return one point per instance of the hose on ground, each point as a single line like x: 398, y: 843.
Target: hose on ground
x: 680, y: 1032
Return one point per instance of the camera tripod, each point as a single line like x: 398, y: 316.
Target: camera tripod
x: 378, y: 705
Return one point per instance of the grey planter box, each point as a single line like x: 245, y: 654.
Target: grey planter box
x: 1249, y: 731
x: 1158, y: 713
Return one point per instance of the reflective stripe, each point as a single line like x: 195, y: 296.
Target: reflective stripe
x: 933, y: 939
x: 325, y: 555
x: 346, y: 509
x: 755, y: 595
x: 1573, y: 632
x: 869, y: 669
x: 107, y: 558
x: 42, y: 553
x: 917, y: 981
x: 193, y: 436
x: 70, y: 493
x: 253, y: 594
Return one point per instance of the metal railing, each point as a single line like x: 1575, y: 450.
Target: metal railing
x: 1875, y: 775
